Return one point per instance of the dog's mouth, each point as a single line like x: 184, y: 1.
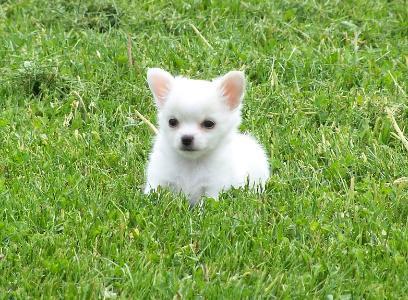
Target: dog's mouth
x: 187, y: 149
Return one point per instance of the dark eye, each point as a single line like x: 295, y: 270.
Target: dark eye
x: 173, y: 122
x: 208, y: 124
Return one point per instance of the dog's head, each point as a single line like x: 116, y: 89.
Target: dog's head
x: 196, y: 116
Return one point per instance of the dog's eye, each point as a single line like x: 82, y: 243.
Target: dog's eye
x: 173, y: 122
x: 208, y: 124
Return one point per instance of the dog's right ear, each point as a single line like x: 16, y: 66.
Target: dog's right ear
x: 160, y: 83
x: 232, y: 88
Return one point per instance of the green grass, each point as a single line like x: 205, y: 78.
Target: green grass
x: 73, y: 219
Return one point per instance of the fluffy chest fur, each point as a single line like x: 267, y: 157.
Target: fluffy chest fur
x: 192, y: 177
x: 240, y: 160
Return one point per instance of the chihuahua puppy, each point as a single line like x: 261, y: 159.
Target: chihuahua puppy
x: 199, y: 150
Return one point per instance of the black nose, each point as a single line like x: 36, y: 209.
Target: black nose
x: 187, y: 140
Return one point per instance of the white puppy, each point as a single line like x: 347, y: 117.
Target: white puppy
x: 198, y: 150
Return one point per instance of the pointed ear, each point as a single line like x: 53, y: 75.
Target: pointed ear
x: 160, y: 83
x: 232, y: 88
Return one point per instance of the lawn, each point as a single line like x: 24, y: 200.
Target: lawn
x: 333, y: 221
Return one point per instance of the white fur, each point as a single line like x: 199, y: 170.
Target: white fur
x: 223, y: 157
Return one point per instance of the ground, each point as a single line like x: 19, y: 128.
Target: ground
x: 333, y: 221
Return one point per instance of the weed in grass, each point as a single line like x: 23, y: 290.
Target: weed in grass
x: 101, y: 17
x: 38, y: 82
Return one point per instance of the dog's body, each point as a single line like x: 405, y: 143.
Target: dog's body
x: 198, y: 150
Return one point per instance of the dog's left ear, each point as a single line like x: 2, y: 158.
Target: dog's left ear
x: 232, y: 88
x: 160, y: 83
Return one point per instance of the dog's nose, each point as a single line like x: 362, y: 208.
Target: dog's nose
x: 187, y: 140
